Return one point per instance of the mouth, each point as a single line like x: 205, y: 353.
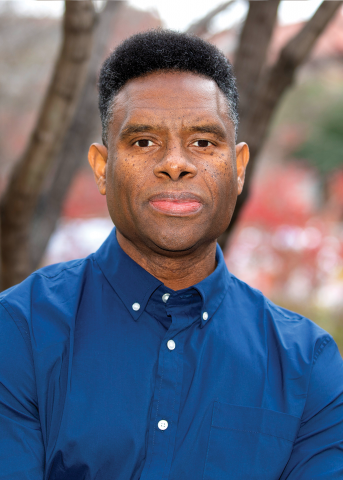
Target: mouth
x: 176, y: 203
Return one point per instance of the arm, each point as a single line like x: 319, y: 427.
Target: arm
x: 21, y: 444
x: 318, y: 448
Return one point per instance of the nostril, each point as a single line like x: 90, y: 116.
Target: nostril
x: 182, y: 174
x: 166, y: 173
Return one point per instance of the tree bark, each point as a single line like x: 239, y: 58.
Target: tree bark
x: 250, y: 60
x: 19, y: 200
x: 201, y: 27
x: 75, y: 146
x: 271, y: 86
x: 252, y: 50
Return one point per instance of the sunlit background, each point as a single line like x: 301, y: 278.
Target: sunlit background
x: 289, y: 239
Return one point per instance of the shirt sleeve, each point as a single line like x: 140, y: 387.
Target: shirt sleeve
x: 318, y: 449
x: 21, y: 444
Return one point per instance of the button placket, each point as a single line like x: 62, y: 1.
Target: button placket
x: 165, y: 409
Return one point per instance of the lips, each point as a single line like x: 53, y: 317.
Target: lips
x: 177, y: 203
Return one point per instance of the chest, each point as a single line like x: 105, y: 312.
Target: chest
x: 108, y: 394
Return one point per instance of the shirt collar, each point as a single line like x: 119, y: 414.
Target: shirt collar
x: 134, y: 285
x: 214, y: 288
x: 130, y: 281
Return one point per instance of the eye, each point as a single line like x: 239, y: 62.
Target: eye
x: 202, y: 143
x: 144, y: 143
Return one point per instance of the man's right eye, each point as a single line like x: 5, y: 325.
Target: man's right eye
x: 144, y: 143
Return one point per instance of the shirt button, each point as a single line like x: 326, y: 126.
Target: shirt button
x: 136, y: 307
x: 165, y: 297
x: 163, y: 424
x: 171, y: 344
x: 205, y: 316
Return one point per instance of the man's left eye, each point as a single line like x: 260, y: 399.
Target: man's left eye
x: 144, y: 143
x: 202, y: 143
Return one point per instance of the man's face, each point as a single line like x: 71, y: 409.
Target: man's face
x: 171, y: 176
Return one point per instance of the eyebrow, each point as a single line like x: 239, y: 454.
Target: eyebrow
x: 210, y: 128
x: 141, y: 128
x: 136, y: 128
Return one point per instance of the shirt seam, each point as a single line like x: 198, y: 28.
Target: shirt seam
x: 320, y: 349
x: 252, y: 431
x: 18, y: 323
x: 39, y: 273
x: 27, y: 340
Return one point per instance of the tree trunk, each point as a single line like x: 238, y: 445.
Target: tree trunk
x: 75, y: 146
x: 271, y: 86
x: 19, y: 200
x: 252, y: 50
x: 250, y: 59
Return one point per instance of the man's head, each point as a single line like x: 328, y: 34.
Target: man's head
x: 169, y: 165
x: 158, y: 50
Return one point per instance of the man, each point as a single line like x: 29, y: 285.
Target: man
x: 148, y: 359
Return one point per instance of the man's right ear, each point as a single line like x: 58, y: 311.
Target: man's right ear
x: 97, y: 157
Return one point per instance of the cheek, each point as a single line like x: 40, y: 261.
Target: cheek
x: 116, y: 182
x: 221, y: 178
x: 128, y: 176
x: 119, y: 172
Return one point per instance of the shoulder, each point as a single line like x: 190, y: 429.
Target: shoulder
x: 46, y: 289
x: 53, y: 271
x: 283, y: 329
x: 49, y: 276
x: 297, y: 356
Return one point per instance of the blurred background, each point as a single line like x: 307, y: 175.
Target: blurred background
x: 287, y: 240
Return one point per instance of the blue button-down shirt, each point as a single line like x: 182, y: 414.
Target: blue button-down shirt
x: 90, y: 388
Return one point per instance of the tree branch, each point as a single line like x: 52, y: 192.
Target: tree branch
x: 253, y: 47
x: 200, y: 27
x: 73, y: 153
x: 273, y: 83
x: 18, y: 203
x: 280, y: 76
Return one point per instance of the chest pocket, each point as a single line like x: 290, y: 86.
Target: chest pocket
x: 248, y: 443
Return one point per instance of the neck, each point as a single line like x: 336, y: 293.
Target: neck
x: 175, y: 272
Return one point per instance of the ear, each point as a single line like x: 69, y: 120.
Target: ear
x: 97, y: 157
x: 242, y: 159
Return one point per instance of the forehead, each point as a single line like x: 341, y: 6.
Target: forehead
x: 170, y: 96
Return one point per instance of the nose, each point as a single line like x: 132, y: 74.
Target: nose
x: 175, y: 165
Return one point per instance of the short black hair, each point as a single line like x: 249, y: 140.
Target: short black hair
x: 156, y: 50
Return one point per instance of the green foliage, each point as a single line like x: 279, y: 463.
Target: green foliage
x: 324, y: 147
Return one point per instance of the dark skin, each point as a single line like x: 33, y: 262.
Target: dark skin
x: 171, y: 173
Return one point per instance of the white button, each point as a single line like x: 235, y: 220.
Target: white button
x: 171, y: 344
x: 136, y: 307
x: 205, y: 315
x: 165, y: 297
x: 163, y: 424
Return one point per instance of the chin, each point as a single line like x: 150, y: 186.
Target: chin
x: 175, y: 242
x: 174, y: 249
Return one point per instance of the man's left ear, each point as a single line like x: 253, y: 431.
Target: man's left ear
x: 242, y: 159
x: 97, y: 157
